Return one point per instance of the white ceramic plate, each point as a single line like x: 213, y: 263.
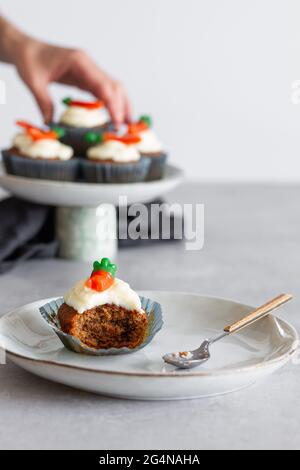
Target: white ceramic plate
x: 59, y: 193
x: 236, y: 362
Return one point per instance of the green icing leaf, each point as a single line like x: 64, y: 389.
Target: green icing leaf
x: 93, y: 138
x: 59, y: 131
x: 147, y: 120
x: 67, y: 101
x: 105, y: 265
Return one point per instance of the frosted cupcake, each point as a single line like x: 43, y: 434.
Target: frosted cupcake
x: 149, y: 146
x: 79, y: 118
x: 102, y: 315
x: 114, y: 159
x: 37, y: 153
x: 103, y: 311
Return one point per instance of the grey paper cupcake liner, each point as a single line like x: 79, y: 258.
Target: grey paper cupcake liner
x: 42, y: 169
x: 75, y: 136
x: 153, y: 310
x: 157, y: 166
x: 97, y: 172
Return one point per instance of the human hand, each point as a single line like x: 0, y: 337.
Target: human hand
x: 40, y: 64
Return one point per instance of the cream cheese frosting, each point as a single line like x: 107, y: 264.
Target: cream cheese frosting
x: 43, y: 148
x: 114, y: 150
x: 78, y: 116
x: 149, y: 142
x: 82, y: 298
x: 21, y: 141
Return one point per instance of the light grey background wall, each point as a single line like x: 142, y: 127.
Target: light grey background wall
x: 215, y: 74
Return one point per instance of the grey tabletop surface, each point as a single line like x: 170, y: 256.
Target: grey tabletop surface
x: 251, y: 253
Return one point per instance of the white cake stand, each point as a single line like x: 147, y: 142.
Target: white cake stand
x: 86, y: 213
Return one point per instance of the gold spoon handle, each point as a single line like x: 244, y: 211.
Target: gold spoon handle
x: 258, y: 313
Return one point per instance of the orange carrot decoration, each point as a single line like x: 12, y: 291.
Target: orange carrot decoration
x: 110, y: 136
x: 144, y: 123
x: 128, y: 139
x: 38, y: 134
x: 102, y: 277
x: 100, y: 281
x: 26, y: 125
x: 84, y: 104
x: 137, y: 127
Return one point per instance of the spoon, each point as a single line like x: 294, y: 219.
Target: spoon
x: 189, y: 359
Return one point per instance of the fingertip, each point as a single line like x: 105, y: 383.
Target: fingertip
x: 128, y: 111
x: 112, y: 109
x: 47, y: 112
x: 116, y: 116
x: 128, y: 118
x: 47, y: 117
x: 46, y: 108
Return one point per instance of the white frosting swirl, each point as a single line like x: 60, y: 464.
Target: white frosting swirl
x: 114, y: 150
x: 82, y: 298
x: 78, y: 116
x: 149, y: 142
x: 21, y: 141
x: 44, y: 148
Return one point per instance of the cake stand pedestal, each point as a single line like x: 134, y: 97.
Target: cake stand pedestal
x: 87, y: 233
x: 86, y: 224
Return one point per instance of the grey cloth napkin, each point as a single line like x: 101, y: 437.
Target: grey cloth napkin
x: 26, y: 231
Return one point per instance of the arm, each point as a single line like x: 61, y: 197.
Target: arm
x: 40, y: 64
